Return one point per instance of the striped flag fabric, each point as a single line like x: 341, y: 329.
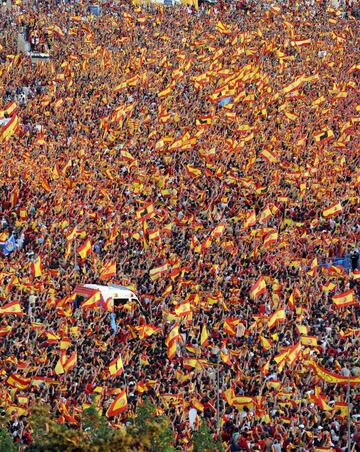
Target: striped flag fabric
x: 119, y: 405
x: 344, y: 299
x: 108, y: 270
x: 146, y: 212
x: 116, y: 367
x: 13, y: 308
x: 85, y: 249
x: 258, y: 288
x: 277, y: 317
x: 155, y: 273
x: 8, y: 130
x: 333, y: 210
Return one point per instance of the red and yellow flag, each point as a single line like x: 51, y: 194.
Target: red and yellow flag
x: 258, y: 288
x: 36, y: 267
x: 13, y: 308
x: 119, y: 405
x: 116, y: 367
x: 108, y: 271
x: 344, y: 299
x: 277, y: 317
x: 93, y: 301
x: 85, y: 249
x: 333, y: 210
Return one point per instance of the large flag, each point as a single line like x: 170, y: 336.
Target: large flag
x: 108, y: 270
x: 258, y: 288
x: 333, y: 210
x: 331, y: 377
x: 13, y: 308
x: 119, y: 405
x: 277, y: 317
x: 116, y: 367
x: 18, y: 381
x: 344, y: 299
x: 85, y: 249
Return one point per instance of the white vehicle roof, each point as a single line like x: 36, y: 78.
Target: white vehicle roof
x: 112, y: 291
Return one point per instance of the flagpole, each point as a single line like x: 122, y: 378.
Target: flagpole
x: 348, y: 416
x: 76, y: 267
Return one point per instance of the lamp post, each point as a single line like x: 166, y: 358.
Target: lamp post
x: 216, y: 354
x: 348, y: 416
x: 76, y: 267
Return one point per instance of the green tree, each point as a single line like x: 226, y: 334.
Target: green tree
x: 203, y: 440
x: 150, y: 431
x: 6, y: 441
x: 93, y: 435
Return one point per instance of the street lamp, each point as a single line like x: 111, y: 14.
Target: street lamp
x: 216, y: 359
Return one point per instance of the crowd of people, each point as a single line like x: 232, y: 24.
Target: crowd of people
x: 211, y: 156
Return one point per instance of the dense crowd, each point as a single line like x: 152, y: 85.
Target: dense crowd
x: 212, y: 155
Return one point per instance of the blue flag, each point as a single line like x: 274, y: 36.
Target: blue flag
x: 10, y: 245
x: 113, y: 323
x: 225, y: 101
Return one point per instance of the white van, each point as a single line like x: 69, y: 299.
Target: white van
x: 110, y: 296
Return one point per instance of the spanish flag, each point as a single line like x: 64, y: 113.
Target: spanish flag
x: 155, y: 273
x: 250, y: 220
x: 116, y: 367
x: 12, y: 308
x: 17, y: 381
x: 166, y: 92
x: 333, y: 210
x: 59, y: 368
x: 300, y: 42
x: 119, y: 405
x: 10, y: 109
x: 310, y: 341
x: 218, y: 230
x: 108, y: 270
x: 36, y: 267
x: 331, y: 377
x: 146, y: 212
x: 204, y: 121
x: 271, y: 238
x: 183, y: 309
x: 294, y: 85
x: 171, y: 350
x: 70, y: 362
x: 324, y: 136
x: 92, y: 302
x: 8, y: 130
x: 204, y: 339
x: 344, y: 299
x: 277, y: 317
x: 85, y: 249
x: 223, y: 29
x: 269, y: 156
x: 293, y: 353
x: 258, y: 288
x: 193, y: 171
x: 174, y: 334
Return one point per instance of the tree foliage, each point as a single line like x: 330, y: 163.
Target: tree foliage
x: 202, y: 440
